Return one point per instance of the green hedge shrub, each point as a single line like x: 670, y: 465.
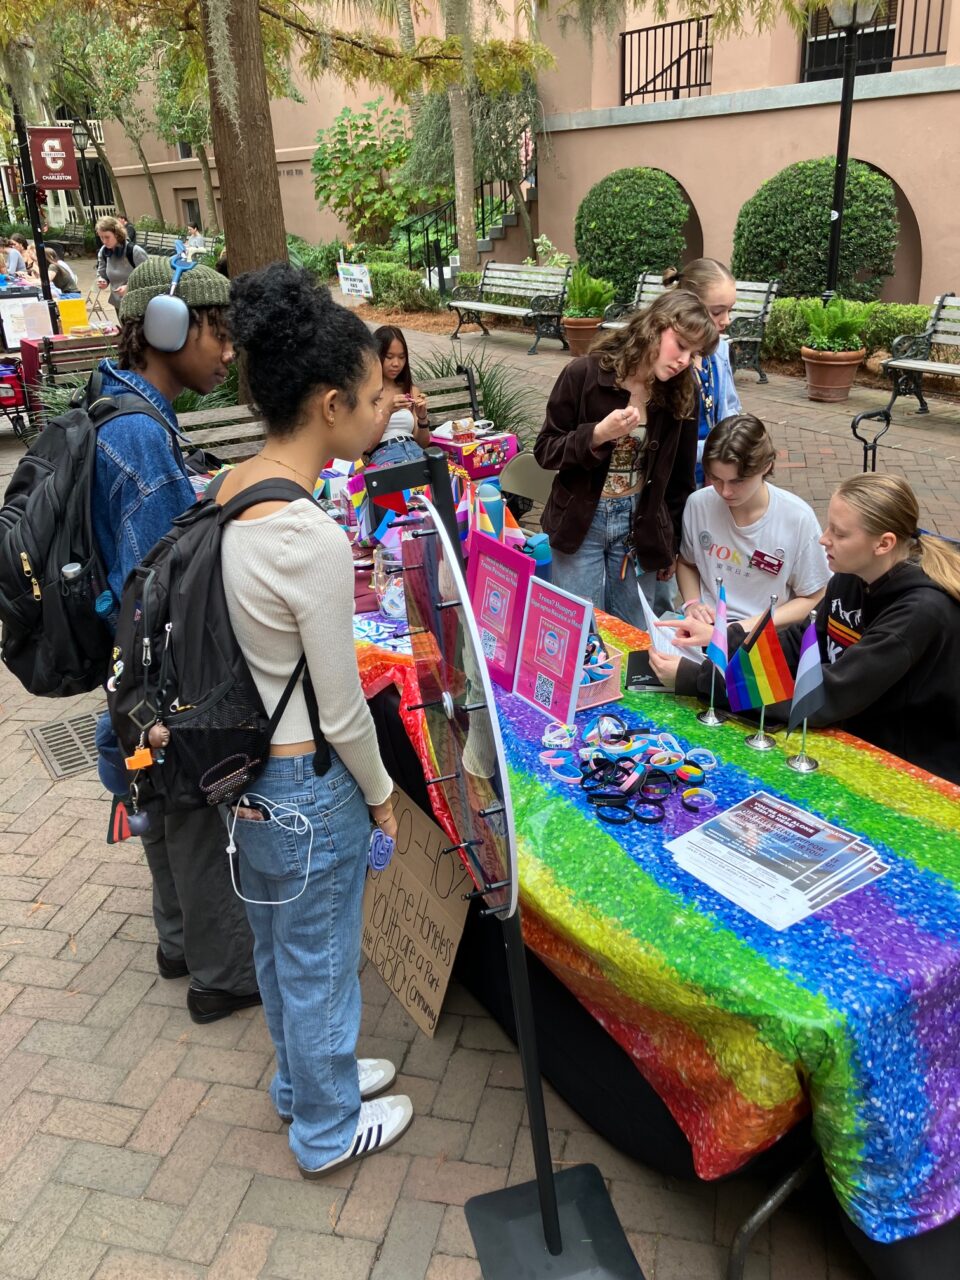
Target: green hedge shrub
x: 631, y: 221
x: 783, y: 231
x: 399, y: 289
x: 786, y: 330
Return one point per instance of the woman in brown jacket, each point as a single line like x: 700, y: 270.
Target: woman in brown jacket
x: 621, y: 431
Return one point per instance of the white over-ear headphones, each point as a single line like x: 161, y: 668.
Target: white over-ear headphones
x: 166, y: 320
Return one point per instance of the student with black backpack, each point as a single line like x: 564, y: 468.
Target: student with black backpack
x: 302, y: 828
x: 140, y: 487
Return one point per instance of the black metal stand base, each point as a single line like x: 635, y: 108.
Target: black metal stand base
x: 507, y: 1229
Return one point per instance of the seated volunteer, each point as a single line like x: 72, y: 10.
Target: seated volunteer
x: 621, y: 431
x: 314, y: 371
x: 760, y: 540
x: 140, y: 487
x: 402, y: 412
x: 888, y: 627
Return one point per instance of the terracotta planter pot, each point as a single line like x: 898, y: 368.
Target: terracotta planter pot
x: 580, y: 332
x: 830, y: 374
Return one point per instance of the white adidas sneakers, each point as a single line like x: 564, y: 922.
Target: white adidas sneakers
x: 380, y: 1124
x: 376, y: 1075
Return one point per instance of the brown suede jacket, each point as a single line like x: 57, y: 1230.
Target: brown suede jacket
x: 583, y: 396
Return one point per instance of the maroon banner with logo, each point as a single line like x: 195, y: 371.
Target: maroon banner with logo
x: 54, y: 158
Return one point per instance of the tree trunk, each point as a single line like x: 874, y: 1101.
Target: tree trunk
x: 408, y: 42
x: 461, y: 130
x: 245, y: 149
x: 77, y: 201
x: 213, y: 222
x: 524, y: 213
x: 102, y: 156
x: 144, y: 163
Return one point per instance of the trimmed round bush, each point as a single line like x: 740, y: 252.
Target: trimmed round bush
x: 629, y: 222
x: 783, y: 231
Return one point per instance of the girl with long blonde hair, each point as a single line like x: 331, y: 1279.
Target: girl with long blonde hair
x: 888, y: 628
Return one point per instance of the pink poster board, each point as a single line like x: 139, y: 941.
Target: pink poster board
x: 550, y: 662
x: 498, y: 579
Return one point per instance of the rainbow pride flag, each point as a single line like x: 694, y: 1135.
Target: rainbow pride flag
x: 757, y: 674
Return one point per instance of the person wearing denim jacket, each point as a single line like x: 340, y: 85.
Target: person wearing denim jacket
x: 140, y: 487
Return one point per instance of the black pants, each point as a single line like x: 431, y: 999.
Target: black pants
x: 197, y: 914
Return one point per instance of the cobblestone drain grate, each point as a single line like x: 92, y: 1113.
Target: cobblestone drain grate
x: 66, y: 746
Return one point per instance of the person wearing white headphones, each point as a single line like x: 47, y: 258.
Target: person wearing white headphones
x: 168, y: 342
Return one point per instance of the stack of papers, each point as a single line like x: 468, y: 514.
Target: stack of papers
x: 776, y: 861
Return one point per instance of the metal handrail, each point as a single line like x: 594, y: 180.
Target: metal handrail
x: 649, y: 54
x: 492, y: 199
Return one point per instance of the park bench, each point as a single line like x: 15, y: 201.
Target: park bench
x: 911, y: 356
x: 539, y: 294
x: 67, y: 240
x: 63, y: 360
x: 457, y: 396
x: 749, y: 320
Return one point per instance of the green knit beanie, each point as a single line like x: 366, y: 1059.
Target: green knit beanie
x: 198, y: 287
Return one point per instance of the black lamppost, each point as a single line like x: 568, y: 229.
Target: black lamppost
x: 847, y: 16
x: 81, y: 140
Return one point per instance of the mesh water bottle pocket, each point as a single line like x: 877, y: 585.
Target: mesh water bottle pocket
x: 219, y: 746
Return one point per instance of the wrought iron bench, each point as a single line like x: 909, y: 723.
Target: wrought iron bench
x: 63, y: 359
x: 911, y: 356
x: 745, y: 334
x: 540, y: 292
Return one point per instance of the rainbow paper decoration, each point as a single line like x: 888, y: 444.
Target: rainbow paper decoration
x: 853, y: 1012
x: 757, y: 674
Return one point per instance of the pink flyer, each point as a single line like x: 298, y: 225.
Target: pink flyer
x: 550, y: 664
x: 497, y: 581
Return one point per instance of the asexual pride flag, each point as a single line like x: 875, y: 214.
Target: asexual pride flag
x: 757, y: 674
x: 808, y: 694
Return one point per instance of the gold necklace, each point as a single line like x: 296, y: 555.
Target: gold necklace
x: 280, y: 463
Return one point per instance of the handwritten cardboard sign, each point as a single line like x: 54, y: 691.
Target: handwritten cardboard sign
x: 413, y: 914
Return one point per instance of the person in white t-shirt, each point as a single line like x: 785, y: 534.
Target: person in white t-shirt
x: 758, y: 539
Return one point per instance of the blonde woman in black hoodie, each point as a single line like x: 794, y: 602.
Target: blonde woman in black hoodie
x: 888, y: 626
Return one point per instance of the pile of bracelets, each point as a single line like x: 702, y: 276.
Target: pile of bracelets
x: 596, y: 661
x: 628, y: 774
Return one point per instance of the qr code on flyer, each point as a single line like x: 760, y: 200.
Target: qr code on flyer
x: 543, y: 691
x: 488, y: 643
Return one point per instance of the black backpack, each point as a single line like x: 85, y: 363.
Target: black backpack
x: 54, y: 641
x: 176, y: 661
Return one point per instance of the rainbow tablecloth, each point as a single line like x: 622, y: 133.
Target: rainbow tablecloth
x: 854, y: 1012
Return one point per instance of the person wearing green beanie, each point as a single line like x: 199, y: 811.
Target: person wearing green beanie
x: 141, y: 485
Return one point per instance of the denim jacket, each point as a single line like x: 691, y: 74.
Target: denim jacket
x: 140, y: 482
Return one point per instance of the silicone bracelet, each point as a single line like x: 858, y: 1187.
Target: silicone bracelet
x: 608, y: 799
x: 559, y: 735
x: 632, y: 781
x: 606, y: 729
x: 555, y: 757
x: 649, y: 812
x: 669, y: 743
x: 668, y: 761
x: 687, y: 603
x: 703, y: 757
x: 691, y: 774
x: 616, y: 815
x: 696, y: 799
x: 657, y: 785
x: 568, y: 773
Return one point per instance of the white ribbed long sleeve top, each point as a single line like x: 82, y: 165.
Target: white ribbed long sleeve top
x: 288, y: 580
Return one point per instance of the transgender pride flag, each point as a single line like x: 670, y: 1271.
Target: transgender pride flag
x: 717, y: 648
x: 808, y: 691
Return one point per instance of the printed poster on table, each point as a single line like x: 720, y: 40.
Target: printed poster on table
x: 552, y: 645
x: 498, y: 580
x: 776, y: 861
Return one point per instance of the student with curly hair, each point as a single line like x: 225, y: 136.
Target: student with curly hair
x: 140, y: 487
x: 303, y: 838
x: 621, y: 432
x: 117, y: 258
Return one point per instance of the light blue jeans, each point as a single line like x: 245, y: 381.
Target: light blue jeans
x: 402, y: 449
x: 307, y: 952
x: 593, y: 570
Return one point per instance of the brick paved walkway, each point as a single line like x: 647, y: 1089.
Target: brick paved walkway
x: 135, y: 1145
